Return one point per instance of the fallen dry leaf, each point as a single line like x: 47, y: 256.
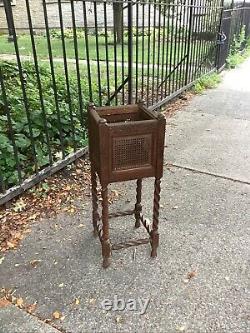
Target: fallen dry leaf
x: 10, y: 245
x: 20, y: 205
x: 77, y: 301
x: 33, y: 217
x: 181, y: 328
x: 191, y: 275
x: 19, y: 302
x: 48, y: 198
x: 92, y: 301
x: 35, y: 262
x: 31, y: 307
x: 116, y: 193
x: 119, y: 320
x: 4, y: 302
x: 57, y: 315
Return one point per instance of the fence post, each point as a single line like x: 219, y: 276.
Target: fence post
x: 130, y: 52
x: 9, y: 18
x: 218, y: 49
x: 189, y: 40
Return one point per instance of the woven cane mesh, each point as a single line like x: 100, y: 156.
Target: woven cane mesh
x: 132, y: 152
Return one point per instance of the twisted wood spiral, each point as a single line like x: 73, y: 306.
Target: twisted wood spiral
x: 138, y: 206
x: 154, y: 233
x: 106, y: 246
x: 95, y: 214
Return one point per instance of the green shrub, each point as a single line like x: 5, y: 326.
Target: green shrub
x: 239, y: 50
x: 71, y: 138
x: 207, y: 81
x: 68, y: 33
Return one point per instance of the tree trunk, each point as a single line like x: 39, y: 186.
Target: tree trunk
x: 118, y: 21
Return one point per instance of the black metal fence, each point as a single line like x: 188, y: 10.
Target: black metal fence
x: 110, y: 53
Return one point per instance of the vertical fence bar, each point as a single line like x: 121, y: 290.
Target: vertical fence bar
x: 10, y: 130
x: 204, y: 66
x: 199, y: 37
x: 66, y: 72
x: 123, y: 60
x: 115, y: 61
x: 171, y: 51
x: 218, y: 48
x: 106, y: 48
x: 97, y: 56
x: 143, y: 51
x: 130, y: 52
x: 175, y: 47
x: 210, y: 45
x: 148, y: 50
x: 21, y: 76
x: 167, y: 62
x: 159, y: 50
x: 2, y: 184
x: 9, y: 19
x: 53, y: 78
x: 178, y: 18
x: 194, y: 43
x: 163, y: 50
x: 136, y: 51
x: 190, y: 24
x: 184, y: 41
x: 78, y: 75
x: 153, y: 65
x: 87, y: 50
x: 44, y: 116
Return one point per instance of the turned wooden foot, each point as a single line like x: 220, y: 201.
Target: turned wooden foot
x: 106, y: 253
x: 154, y: 243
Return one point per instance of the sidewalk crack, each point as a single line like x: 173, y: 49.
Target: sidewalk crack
x: 169, y: 165
x: 8, y: 296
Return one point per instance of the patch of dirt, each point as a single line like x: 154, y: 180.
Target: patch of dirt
x: 177, y: 104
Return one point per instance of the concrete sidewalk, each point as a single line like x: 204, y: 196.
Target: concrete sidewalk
x: 199, y: 281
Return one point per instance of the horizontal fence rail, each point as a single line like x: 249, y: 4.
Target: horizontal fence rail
x: 52, y: 64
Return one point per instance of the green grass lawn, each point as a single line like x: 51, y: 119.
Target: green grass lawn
x: 140, y: 52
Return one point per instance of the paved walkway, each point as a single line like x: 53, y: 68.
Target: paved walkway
x: 12, y: 57
x: 199, y: 281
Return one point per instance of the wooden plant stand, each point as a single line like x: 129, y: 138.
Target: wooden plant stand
x: 125, y: 143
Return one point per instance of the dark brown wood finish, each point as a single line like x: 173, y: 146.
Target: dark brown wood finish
x: 95, y: 214
x: 125, y: 143
x: 138, y: 206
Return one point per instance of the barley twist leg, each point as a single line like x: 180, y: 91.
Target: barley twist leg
x: 154, y: 235
x: 106, y: 246
x: 95, y: 214
x: 138, y: 206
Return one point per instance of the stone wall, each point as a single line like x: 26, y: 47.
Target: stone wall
x: 21, y: 23
x: 20, y: 15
